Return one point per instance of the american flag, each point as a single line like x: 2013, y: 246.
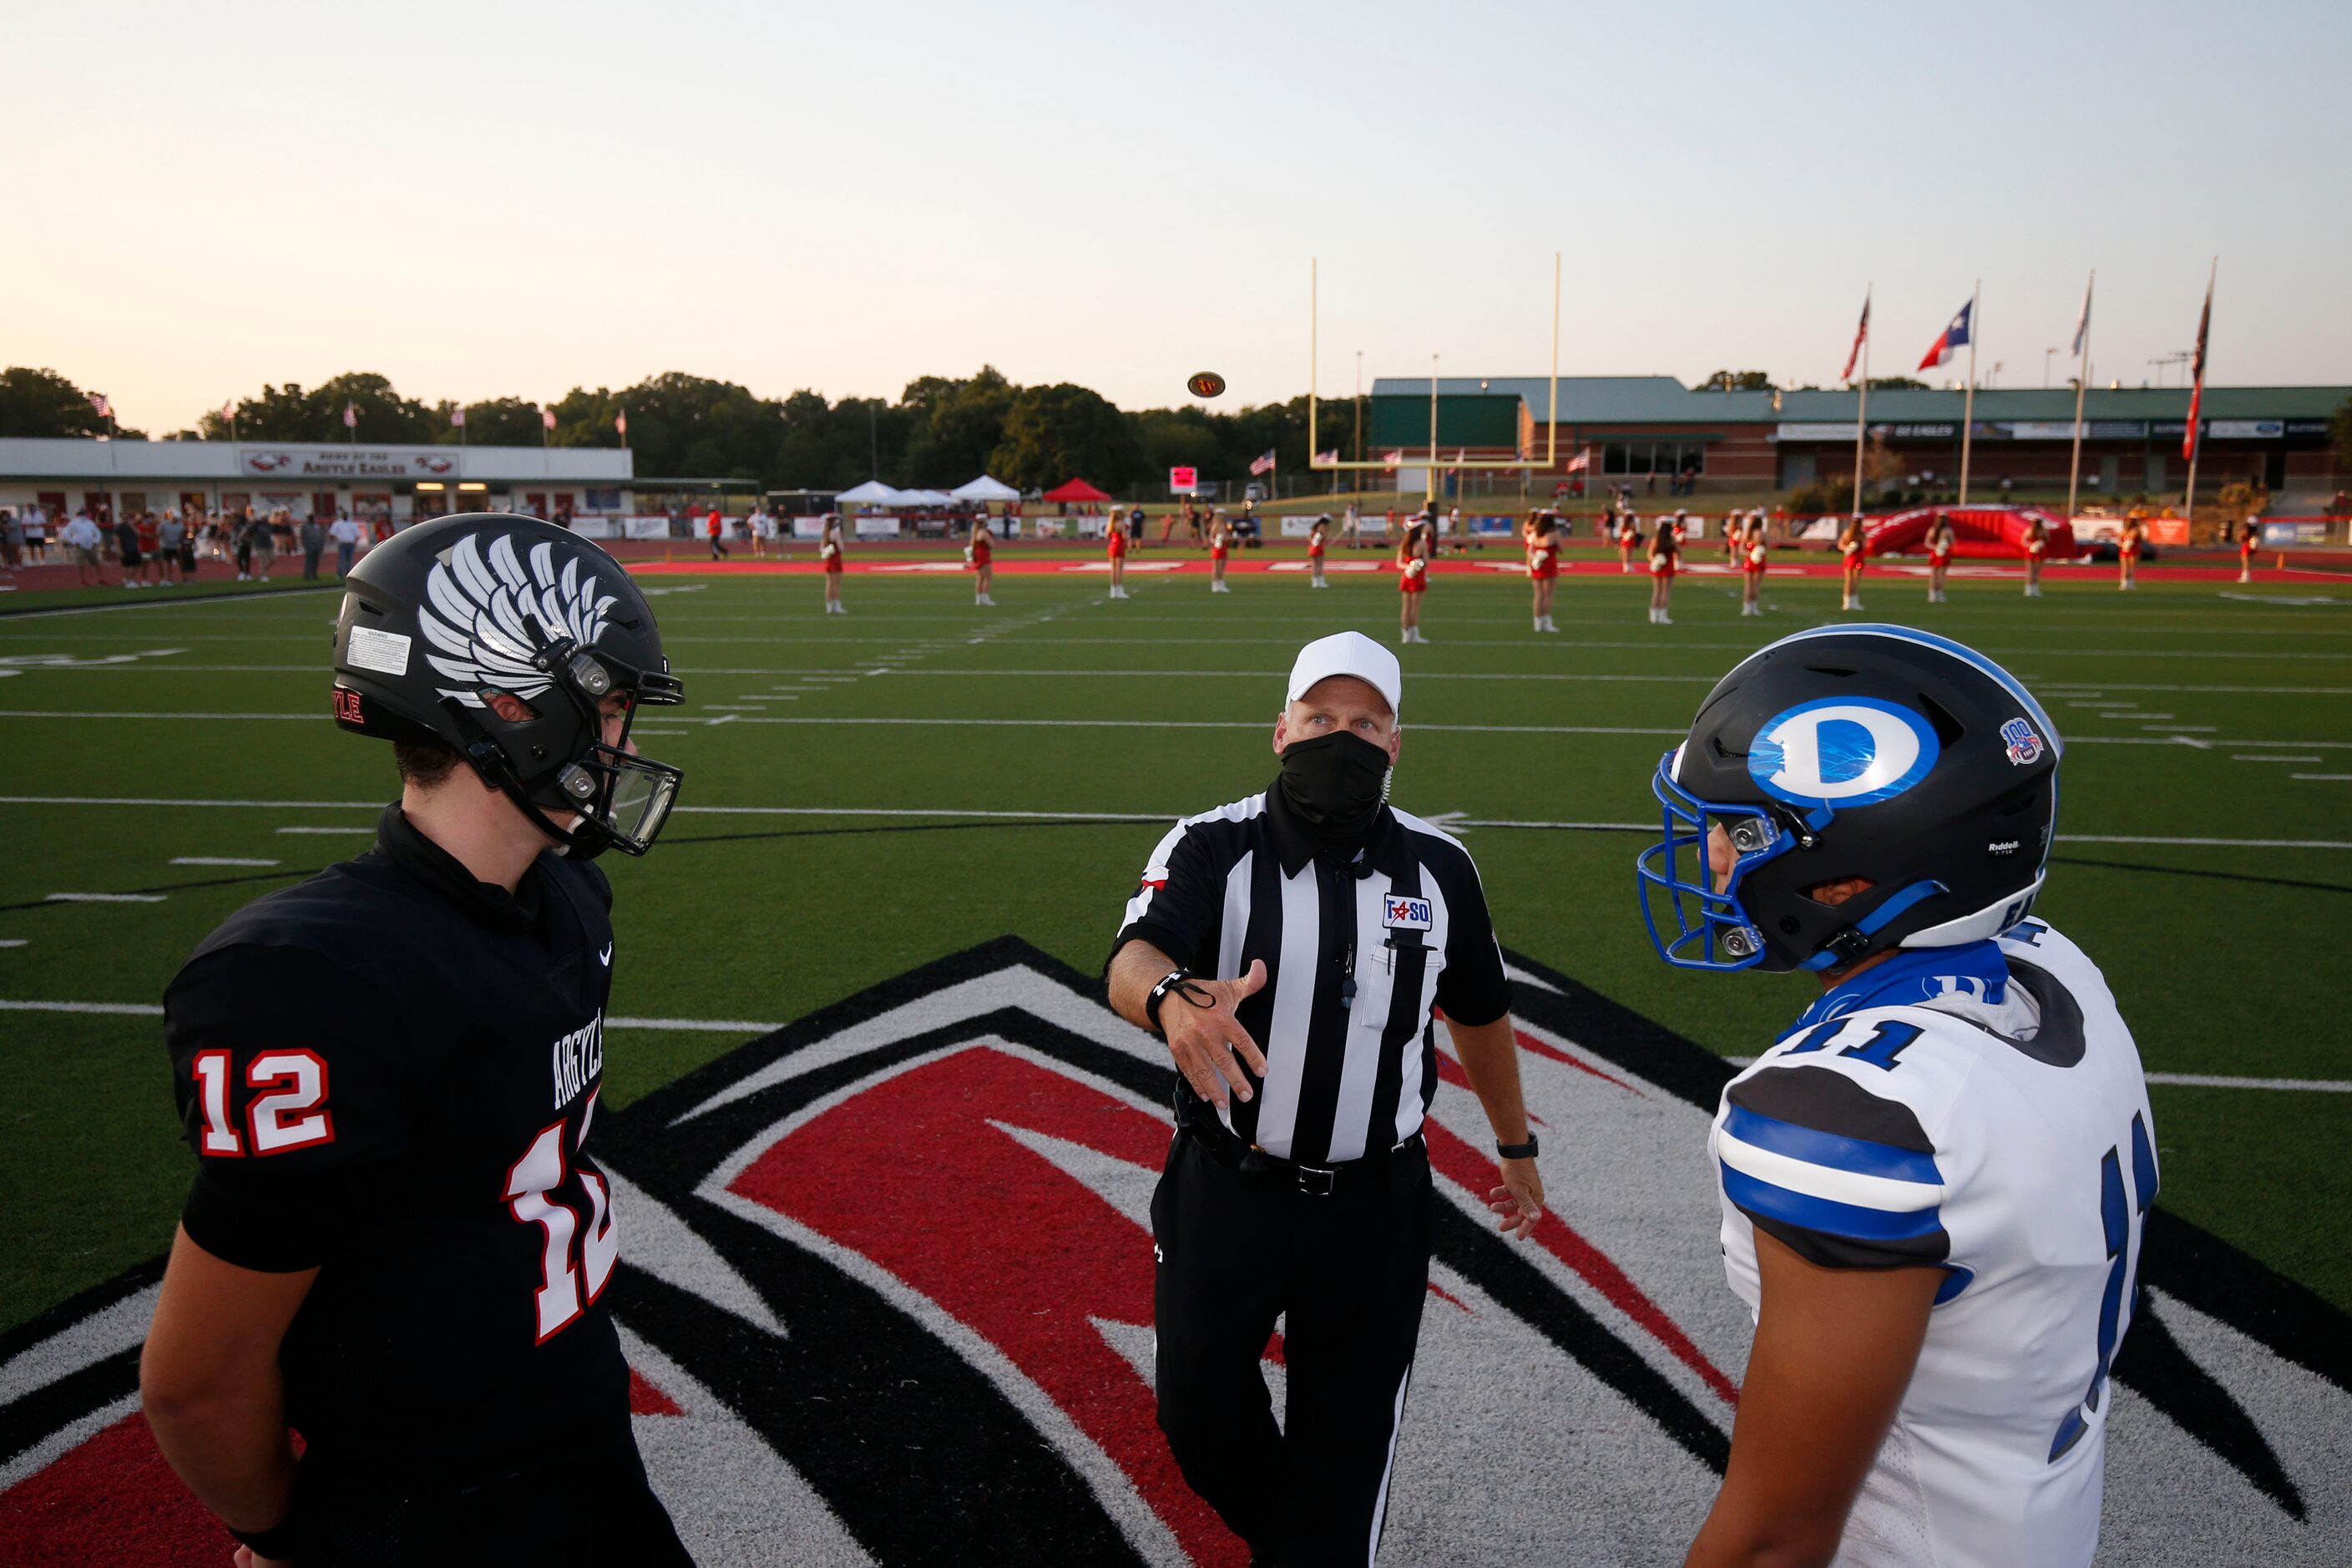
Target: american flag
x: 1331, y: 457
x: 228, y: 410
x: 2197, y: 372
x: 1581, y: 462
x: 350, y: 414
x: 1860, y: 334
x: 1263, y: 463
x: 621, y: 423
x: 457, y: 418
x: 1390, y: 459
x: 546, y: 418
x: 105, y: 407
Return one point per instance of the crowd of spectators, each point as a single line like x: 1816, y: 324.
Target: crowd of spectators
x: 147, y: 549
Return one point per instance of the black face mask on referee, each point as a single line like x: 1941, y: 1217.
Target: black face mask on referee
x: 1336, y: 785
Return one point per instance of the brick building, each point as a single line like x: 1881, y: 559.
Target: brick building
x: 1644, y: 428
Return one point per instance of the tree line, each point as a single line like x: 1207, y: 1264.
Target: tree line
x: 940, y: 432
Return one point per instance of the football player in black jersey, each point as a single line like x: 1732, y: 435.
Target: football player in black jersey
x: 396, y: 1242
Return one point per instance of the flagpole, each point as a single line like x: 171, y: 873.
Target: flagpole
x: 1432, y: 490
x: 1861, y: 410
x: 1968, y: 401
x: 2196, y: 447
x: 2082, y: 386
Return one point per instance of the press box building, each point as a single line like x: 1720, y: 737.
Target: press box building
x: 367, y: 482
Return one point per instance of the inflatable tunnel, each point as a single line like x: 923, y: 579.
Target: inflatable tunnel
x: 1981, y: 532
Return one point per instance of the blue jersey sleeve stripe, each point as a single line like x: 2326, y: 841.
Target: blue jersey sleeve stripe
x: 1809, y: 1213
x: 1814, y: 1147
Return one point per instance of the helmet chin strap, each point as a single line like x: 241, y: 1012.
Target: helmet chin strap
x: 584, y: 841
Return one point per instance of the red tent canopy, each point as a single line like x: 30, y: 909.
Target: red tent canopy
x: 1077, y: 489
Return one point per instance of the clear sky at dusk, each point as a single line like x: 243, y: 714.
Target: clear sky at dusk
x: 484, y: 199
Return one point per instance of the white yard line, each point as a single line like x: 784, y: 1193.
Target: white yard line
x: 46, y: 714
x: 105, y: 899
x: 2055, y: 688
x: 169, y: 603
x: 218, y: 861
x: 957, y: 813
x: 153, y: 1010
x: 2207, y: 1080
x: 2322, y: 778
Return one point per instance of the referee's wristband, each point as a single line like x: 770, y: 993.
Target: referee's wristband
x: 1526, y: 1151
x: 1174, y: 982
x: 279, y: 1542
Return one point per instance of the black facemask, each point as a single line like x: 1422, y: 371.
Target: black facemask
x: 1335, y: 785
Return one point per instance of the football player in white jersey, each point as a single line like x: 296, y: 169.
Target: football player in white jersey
x: 1934, y: 1184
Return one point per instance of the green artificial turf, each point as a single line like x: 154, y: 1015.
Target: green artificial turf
x: 2222, y: 955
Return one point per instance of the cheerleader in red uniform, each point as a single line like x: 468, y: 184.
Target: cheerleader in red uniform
x: 1413, y: 579
x: 2249, y: 535
x: 1315, y: 536
x: 978, y: 552
x: 1854, y: 551
x: 1118, y: 554
x: 2135, y: 535
x: 1543, y: 565
x: 1629, y: 534
x: 1221, y: 539
x: 1665, y: 553
x: 828, y: 551
x: 1940, y: 557
x: 1752, y: 553
x: 2037, y: 547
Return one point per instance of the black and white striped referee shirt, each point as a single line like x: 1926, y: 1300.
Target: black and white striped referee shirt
x: 1357, y: 956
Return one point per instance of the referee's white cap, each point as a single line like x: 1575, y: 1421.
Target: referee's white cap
x: 1348, y: 653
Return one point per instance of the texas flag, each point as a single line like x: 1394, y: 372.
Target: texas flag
x: 1955, y: 338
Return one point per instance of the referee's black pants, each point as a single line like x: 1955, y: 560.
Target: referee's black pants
x: 1348, y: 1273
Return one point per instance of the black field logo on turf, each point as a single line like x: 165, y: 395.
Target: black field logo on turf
x: 888, y: 1297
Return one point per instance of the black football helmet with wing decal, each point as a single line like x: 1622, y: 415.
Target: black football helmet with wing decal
x: 448, y: 613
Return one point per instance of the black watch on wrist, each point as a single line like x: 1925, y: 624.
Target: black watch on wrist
x: 276, y: 1543
x: 1151, y: 1004
x: 1526, y: 1151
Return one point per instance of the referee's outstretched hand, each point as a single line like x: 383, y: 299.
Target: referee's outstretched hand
x: 1204, y: 1040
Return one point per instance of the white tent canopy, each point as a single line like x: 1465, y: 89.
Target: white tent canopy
x: 985, y: 489
x: 874, y: 492
x: 925, y: 497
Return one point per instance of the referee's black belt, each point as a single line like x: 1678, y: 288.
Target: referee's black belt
x: 1316, y: 1180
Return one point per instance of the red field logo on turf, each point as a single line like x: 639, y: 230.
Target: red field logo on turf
x: 888, y: 1298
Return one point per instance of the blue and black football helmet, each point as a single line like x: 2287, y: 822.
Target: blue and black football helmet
x: 448, y: 613
x: 1870, y: 752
